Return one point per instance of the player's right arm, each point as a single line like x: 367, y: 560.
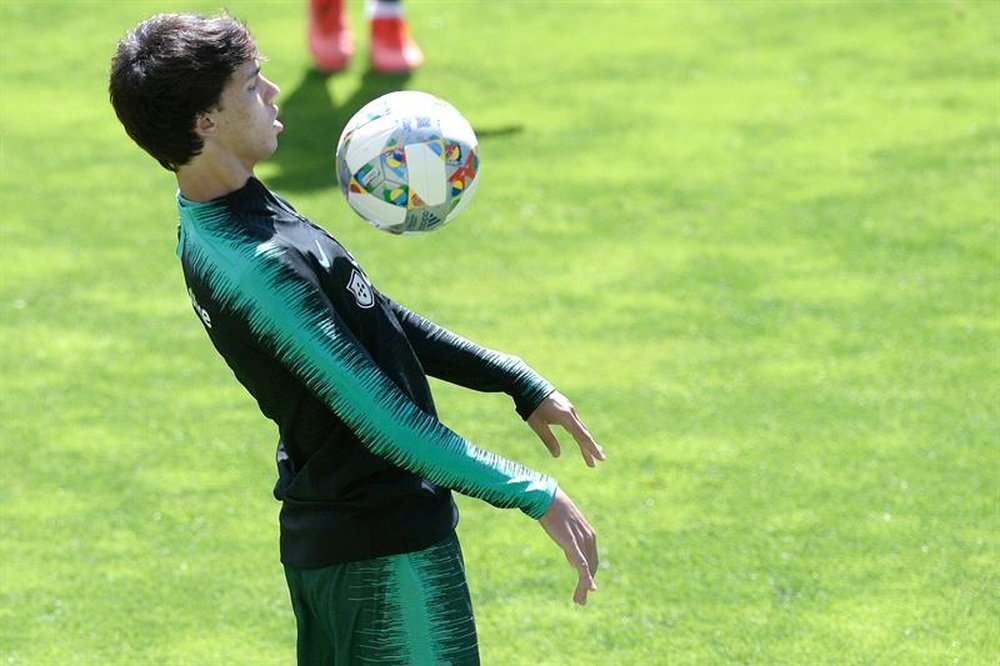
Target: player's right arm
x: 452, y: 357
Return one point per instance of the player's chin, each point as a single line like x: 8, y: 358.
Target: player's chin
x: 266, y: 150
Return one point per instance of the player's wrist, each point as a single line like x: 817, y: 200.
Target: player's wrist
x: 544, y: 499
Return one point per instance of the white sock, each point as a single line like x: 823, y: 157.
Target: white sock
x: 377, y: 9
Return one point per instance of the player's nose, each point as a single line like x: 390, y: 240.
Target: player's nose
x: 272, y: 89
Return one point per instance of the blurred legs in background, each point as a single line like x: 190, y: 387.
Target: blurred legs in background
x: 391, y: 48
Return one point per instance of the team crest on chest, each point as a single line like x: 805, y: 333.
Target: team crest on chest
x: 361, y: 289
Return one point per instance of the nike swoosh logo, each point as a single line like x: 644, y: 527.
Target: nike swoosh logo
x: 324, y: 261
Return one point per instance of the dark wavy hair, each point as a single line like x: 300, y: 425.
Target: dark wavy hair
x: 169, y: 69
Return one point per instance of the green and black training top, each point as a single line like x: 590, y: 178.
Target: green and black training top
x: 365, y: 467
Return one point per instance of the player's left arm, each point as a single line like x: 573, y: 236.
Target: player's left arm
x: 457, y: 360
x: 453, y: 358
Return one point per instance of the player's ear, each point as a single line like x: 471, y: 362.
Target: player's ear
x: 204, y: 125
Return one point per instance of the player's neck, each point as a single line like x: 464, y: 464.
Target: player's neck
x: 205, y: 178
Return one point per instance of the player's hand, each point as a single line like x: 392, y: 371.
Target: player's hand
x: 564, y: 523
x: 556, y: 409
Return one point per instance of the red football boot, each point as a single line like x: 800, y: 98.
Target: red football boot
x: 330, y: 42
x: 392, y: 49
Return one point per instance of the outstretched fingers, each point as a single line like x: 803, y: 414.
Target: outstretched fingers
x: 556, y: 409
x: 585, y: 560
x: 589, y: 447
x: 584, y: 585
x: 545, y: 434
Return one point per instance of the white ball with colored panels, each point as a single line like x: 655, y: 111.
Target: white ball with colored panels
x: 408, y: 162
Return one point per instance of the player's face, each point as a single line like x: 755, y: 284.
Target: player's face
x: 247, y: 117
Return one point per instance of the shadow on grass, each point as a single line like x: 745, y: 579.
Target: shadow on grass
x: 313, y: 122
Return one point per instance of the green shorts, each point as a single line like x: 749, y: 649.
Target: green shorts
x: 400, y: 609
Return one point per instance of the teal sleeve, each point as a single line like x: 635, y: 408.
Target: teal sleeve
x: 288, y: 312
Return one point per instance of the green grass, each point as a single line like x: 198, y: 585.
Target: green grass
x: 755, y: 242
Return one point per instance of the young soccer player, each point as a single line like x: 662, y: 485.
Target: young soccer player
x: 365, y: 468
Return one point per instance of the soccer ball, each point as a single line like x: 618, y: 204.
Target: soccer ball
x: 408, y: 162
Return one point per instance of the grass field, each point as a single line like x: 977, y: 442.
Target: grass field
x: 755, y: 242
